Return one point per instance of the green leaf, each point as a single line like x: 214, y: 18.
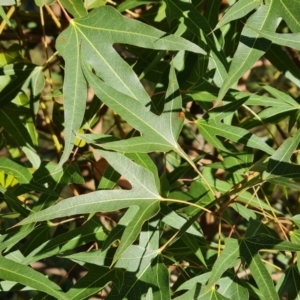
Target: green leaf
x: 10, y: 239
x: 4, y: 17
x: 280, y: 170
x: 187, y: 232
x: 41, y: 3
x: 211, y: 129
x: 150, y: 234
x: 24, y: 75
x: 90, y: 231
x: 9, y: 286
x: 9, y: 2
x: 90, y: 39
x: 235, y: 162
x: 192, y: 244
x: 181, y: 170
x: 110, y: 176
x: 37, y: 83
x: 56, y: 179
x: 247, y: 249
x: 295, y: 238
x: 262, y: 278
x: 296, y: 220
x: 117, y: 232
x: 244, y: 197
x: 175, y: 161
x: 160, y: 133
x: 15, y: 256
x: 14, y: 125
x: 21, y: 173
x: 75, y: 7
x: 219, y: 113
x: 238, y: 10
x: 200, y: 292
x: 229, y: 286
x: 89, y: 4
x: 288, y: 10
x: 281, y: 60
x: 143, y: 194
x: 251, y: 46
x: 96, y: 279
x: 95, y: 257
x: 39, y: 235
x: 13, y: 271
x: 211, y: 12
x: 145, y: 274
x: 189, y: 284
x: 245, y: 212
x: 144, y: 271
x: 284, y: 39
x: 275, y: 113
x: 129, y: 4
x: 26, y: 111
x: 108, y: 179
x: 232, y: 288
x: 145, y: 161
x: 13, y: 202
x: 206, y: 92
x: 199, y: 26
x: 176, y: 221
x: 289, y: 283
x: 227, y: 260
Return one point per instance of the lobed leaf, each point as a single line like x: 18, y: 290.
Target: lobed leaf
x: 143, y: 195
x: 91, y: 39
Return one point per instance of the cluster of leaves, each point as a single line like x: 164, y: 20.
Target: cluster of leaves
x: 170, y: 181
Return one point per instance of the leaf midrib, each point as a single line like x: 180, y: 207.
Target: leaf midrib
x: 241, y: 9
x: 107, y: 64
x: 131, y: 199
x: 150, y: 123
x: 256, y: 266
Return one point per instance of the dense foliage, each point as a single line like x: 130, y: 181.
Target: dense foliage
x: 149, y: 149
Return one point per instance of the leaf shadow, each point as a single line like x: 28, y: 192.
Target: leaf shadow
x: 249, y: 248
x: 136, y: 286
x: 21, y: 73
x: 10, y: 111
x: 282, y: 168
x: 256, y: 43
x: 218, y: 113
